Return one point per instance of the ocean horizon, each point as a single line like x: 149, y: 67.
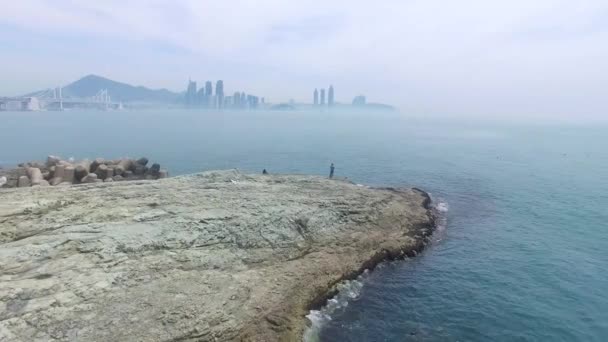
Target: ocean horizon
x: 521, y: 255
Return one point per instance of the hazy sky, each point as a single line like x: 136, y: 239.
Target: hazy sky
x: 481, y: 57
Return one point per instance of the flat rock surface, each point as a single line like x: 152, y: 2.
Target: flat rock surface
x: 217, y: 256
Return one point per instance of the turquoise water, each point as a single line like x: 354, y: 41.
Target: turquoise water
x: 525, y: 253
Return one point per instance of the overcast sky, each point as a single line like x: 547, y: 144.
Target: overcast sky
x: 478, y: 57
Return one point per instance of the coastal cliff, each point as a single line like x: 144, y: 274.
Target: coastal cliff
x: 216, y: 256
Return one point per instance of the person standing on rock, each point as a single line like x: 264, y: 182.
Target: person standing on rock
x: 331, y: 171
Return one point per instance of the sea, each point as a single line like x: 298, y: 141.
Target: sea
x: 521, y: 253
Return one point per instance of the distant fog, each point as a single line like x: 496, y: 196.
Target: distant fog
x: 542, y: 60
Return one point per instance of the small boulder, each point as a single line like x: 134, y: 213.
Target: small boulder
x: 46, y: 175
x: 95, y: 164
x: 23, y: 182
x: 119, y: 170
x: 139, y: 170
x: 52, y: 161
x: 142, y: 161
x: 68, y: 175
x: 56, y: 181
x: 59, y: 171
x: 80, y: 172
x: 107, y: 180
x: 118, y: 178
x: 35, y: 175
x: 128, y: 174
x: 3, y: 180
x: 163, y: 174
x: 154, y: 170
x: 90, y: 178
x: 127, y: 164
x: 102, y: 171
x: 44, y: 183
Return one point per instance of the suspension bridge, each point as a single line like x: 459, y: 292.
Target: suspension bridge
x: 53, y: 99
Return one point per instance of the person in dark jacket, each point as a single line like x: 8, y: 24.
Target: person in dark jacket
x: 331, y: 171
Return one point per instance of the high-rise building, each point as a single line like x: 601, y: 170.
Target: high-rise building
x: 208, y: 88
x: 322, y: 97
x: 330, y: 96
x: 191, y: 94
x: 316, y: 97
x: 359, y: 101
x: 236, y: 100
x: 244, y: 103
x: 219, y: 93
x: 200, y: 97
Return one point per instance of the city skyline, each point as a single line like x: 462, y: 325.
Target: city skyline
x: 206, y: 98
x: 517, y: 58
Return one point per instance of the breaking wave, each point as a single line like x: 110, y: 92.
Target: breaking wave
x: 350, y: 290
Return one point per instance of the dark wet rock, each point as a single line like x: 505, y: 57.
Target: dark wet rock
x: 142, y: 161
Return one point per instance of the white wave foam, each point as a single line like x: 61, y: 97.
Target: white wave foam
x: 348, y: 290
x: 441, y: 209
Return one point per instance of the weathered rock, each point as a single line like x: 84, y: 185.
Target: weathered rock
x: 117, y: 178
x: 110, y: 172
x: 68, y: 174
x: 59, y: 171
x: 3, y: 180
x: 102, y: 171
x: 23, y: 182
x: 44, y: 182
x: 218, y: 256
x: 127, y: 164
x: 90, y: 178
x: 56, y: 181
x: 149, y: 177
x: 35, y: 175
x: 82, y: 168
x: 108, y: 180
x: 163, y: 174
x: 52, y: 160
x: 46, y: 175
x: 154, y: 170
x: 80, y: 172
x: 139, y: 170
x: 119, y: 170
x: 127, y: 174
x: 95, y: 164
x: 142, y: 161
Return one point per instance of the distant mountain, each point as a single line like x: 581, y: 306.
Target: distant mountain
x: 90, y: 85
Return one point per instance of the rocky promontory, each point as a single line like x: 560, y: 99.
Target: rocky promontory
x: 216, y: 256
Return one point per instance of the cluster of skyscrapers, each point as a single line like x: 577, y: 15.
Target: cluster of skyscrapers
x: 319, y: 97
x: 205, y: 98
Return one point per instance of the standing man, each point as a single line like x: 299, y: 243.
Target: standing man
x: 331, y: 171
